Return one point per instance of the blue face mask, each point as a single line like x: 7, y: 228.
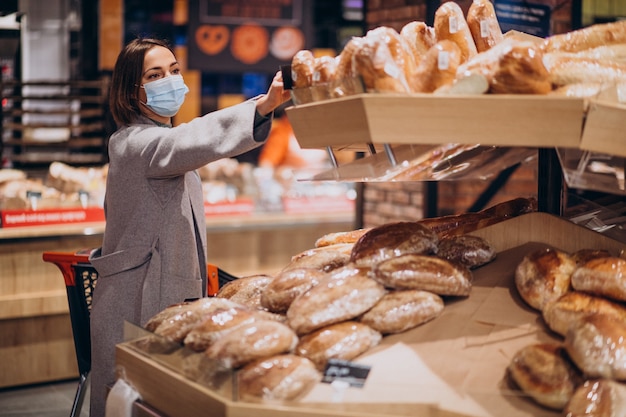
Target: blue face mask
x: 165, y: 95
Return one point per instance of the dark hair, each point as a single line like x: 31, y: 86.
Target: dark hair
x: 126, y: 79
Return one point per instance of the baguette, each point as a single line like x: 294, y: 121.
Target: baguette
x: 483, y: 24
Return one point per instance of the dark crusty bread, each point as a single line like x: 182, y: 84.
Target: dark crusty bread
x: 471, y: 251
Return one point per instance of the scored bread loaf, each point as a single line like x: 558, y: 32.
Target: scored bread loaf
x: 284, y: 377
x: 543, y: 372
x: 278, y: 295
x: 572, y: 306
x: 597, y: 398
x: 471, y: 251
x: 401, y: 310
x: 543, y: 276
x: 216, y: 324
x: 605, y: 276
x: 483, y: 24
x: 334, y: 238
x: 344, y: 294
x: 423, y: 272
x: 325, y: 258
x: 345, y: 340
x: 450, y: 24
x: 597, y: 344
x: 245, y: 290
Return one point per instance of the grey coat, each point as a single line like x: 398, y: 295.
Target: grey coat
x: 153, y: 252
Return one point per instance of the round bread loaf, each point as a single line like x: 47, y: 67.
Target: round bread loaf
x: 424, y: 272
x: 278, y: 295
x: 543, y: 276
x: 252, y: 341
x: 597, y: 344
x: 450, y: 24
x: 245, y: 290
x: 391, y: 240
x: 165, y: 314
x: 345, y: 340
x: 325, y: 258
x: 604, y: 276
x: 597, y: 398
x: 350, y: 236
x: 284, y: 377
x: 543, y: 372
x: 402, y: 310
x: 216, y: 324
x: 471, y: 251
x: 572, y: 306
x: 344, y: 294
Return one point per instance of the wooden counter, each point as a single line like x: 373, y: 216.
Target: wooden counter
x: 34, y: 320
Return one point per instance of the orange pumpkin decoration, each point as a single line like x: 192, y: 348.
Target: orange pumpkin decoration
x: 250, y: 43
x: 212, y: 39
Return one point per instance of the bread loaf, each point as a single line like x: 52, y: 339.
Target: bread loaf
x: 278, y: 295
x: 601, y: 34
x: 423, y: 272
x: 605, y: 276
x: 344, y: 294
x: 438, y: 67
x: 325, y: 258
x: 420, y: 37
x: 216, y: 324
x: 345, y: 340
x: 544, y: 372
x: 597, y: 344
x: 284, y: 377
x: 324, y: 69
x: 471, y: 251
x: 393, y: 239
x: 483, y: 25
x: 252, y: 341
x: 450, y: 24
x: 401, y: 310
x: 245, y: 290
x: 572, y: 306
x: 597, y: 398
x: 302, y: 68
x: 543, y: 276
x: 349, y: 236
x: 564, y: 70
x: 582, y: 256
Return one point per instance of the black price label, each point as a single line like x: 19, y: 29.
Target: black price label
x: 340, y: 370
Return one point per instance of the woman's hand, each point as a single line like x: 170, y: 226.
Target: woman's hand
x: 275, y: 96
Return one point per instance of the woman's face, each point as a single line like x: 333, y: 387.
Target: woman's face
x: 158, y: 62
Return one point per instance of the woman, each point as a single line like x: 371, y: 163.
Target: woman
x: 154, y: 249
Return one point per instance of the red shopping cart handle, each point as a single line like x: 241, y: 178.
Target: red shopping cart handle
x: 65, y: 260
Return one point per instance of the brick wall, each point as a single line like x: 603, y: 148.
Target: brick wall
x: 387, y: 202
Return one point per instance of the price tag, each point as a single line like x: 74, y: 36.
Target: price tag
x: 340, y: 370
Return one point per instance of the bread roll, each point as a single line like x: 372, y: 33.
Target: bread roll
x: 423, y: 272
x: 450, y: 24
x: 471, y: 251
x: 245, y: 290
x: 346, y: 293
x: 597, y: 398
x: 571, y: 307
x: 597, y: 344
x: 216, y: 324
x: 582, y: 256
x: 438, y: 67
x: 252, y: 341
x: 544, y: 372
x: 350, y: 236
x: 605, y: 276
x: 402, y: 310
x: 165, y: 314
x: 278, y: 295
x: 483, y: 25
x: 601, y: 34
x: 543, y: 276
x: 284, y: 377
x: 420, y: 37
x: 393, y: 239
x: 324, y: 259
x: 345, y: 340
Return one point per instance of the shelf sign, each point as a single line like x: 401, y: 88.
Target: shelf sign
x: 523, y: 16
x: 354, y: 374
x: 22, y: 218
x: 244, y: 36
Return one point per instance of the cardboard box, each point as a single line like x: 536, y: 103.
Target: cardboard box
x: 454, y: 365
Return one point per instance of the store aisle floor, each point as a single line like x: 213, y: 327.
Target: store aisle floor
x: 45, y: 400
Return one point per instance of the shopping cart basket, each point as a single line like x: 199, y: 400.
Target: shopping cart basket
x: 80, y: 280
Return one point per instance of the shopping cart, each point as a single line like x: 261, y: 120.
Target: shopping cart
x: 80, y: 280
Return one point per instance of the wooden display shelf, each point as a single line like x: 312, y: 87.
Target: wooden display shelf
x: 454, y: 365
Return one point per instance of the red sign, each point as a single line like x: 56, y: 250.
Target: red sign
x: 22, y: 218
x: 238, y: 206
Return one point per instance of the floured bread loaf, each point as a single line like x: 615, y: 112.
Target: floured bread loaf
x: 216, y: 324
x: 277, y: 378
x: 349, y: 236
x: 564, y: 70
x: 572, y: 306
x: 402, y: 310
x: 245, y: 290
x: 393, y: 239
x: 604, y: 276
x: 597, y: 398
x: 597, y: 344
x: 324, y: 258
x: 278, y: 295
x: 165, y: 314
x: 345, y: 340
x: 543, y: 372
x: 471, y: 251
x: 344, y: 294
x: 252, y: 341
x: 423, y: 272
x: 587, y: 38
x: 543, y: 276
